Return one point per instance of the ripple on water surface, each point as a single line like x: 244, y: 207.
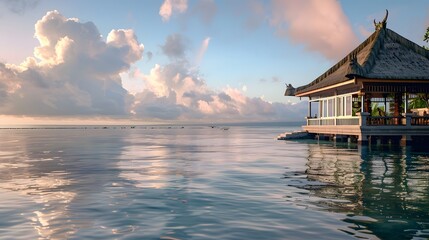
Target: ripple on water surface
x: 206, y: 183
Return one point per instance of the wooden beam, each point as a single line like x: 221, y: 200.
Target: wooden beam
x: 305, y: 94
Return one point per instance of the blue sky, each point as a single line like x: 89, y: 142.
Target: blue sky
x: 185, y: 60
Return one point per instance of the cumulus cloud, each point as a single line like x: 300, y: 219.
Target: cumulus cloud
x: 175, y: 91
x: 170, y: 6
x: 175, y: 46
x: 73, y: 71
x: 320, y: 26
x: 7, y: 87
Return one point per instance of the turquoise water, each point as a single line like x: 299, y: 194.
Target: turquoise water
x: 199, y: 182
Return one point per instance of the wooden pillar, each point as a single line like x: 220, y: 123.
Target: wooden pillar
x: 385, y: 103
x: 368, y: 103
x: 362, y: 137
x: 397, y: 105
x: 397, y: 108
x: 406, y: 103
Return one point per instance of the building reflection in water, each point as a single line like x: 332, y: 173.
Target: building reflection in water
x: 384, y: 191
x: 339, y: 170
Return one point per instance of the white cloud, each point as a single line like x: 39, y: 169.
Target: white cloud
x: 364, y: 31
x: 174, y: 91
x: 175, y: 46
x: 202, y: 51
x: 321, y: 26
x: 73, y: 71
x: 170, y: 6
x: 126, y: 40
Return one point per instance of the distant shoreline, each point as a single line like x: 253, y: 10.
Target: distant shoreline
x: 146, y: 126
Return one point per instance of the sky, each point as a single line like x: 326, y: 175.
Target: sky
x: 178, y: 60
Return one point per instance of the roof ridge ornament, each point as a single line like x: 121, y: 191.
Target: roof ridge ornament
x: 290, y: 90
x: 382, y: 24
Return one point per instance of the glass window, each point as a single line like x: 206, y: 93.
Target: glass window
x: 348, y: 106
x: 325, y: 108
x: 331, y: 107
x: 340, y: 106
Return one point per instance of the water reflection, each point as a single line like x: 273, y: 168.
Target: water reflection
x: 384, y: 191
x: 50, y: 175
x: 205, y: 183
x: 396, y: 191
x: 123, y: 183
x: 339, y: 169
x: 162, y: 166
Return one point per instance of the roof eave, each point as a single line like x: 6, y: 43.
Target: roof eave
x: 312, y: 92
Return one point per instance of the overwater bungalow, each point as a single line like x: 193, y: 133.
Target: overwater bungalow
x: 371, y: 94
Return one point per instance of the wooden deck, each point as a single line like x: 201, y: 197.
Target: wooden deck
x: 334, y: 129
x: 356, y: 130
x: 365, y: 127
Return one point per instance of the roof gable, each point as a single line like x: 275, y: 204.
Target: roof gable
x: 383, y: 55
x: 400, y: 58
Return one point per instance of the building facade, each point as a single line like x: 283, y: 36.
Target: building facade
x: 378, y: 92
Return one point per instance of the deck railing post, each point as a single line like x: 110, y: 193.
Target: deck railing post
x: 363, y: 117
x: 308, y: 119
x: 408, y: 119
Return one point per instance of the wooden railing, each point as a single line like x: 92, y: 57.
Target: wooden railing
x: 332, y: 121
x: 320, y: 121
x: 407, y: 120
x: 385, y: 121
x: 348, y: 121
x: 313, y: 121
x: 420, y: 120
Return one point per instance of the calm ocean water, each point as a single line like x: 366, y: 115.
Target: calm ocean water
x: 199, y: 182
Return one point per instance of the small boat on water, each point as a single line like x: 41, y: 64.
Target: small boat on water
x: 221, y: 128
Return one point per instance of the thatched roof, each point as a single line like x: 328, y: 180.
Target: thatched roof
x: 384, y: 55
